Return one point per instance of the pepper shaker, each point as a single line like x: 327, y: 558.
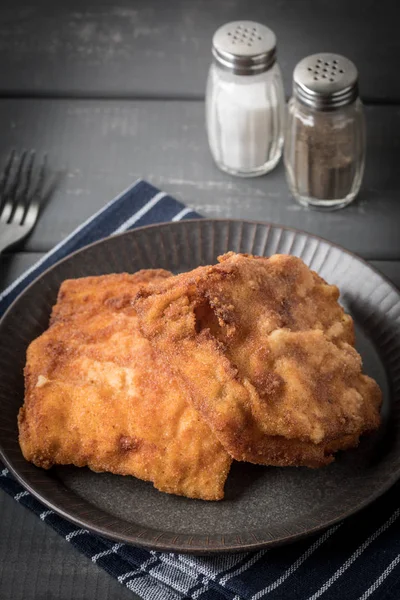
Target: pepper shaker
x: 245, y: 100
x: 325, y: 133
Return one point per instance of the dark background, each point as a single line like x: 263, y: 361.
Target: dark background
x: 113, y: 91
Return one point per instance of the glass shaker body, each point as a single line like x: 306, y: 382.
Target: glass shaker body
x: 325, y: 132
x: 245, y: 120
x: 324, y: 154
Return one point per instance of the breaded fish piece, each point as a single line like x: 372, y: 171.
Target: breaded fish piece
x: 98, y: 395
x: 266, y: 354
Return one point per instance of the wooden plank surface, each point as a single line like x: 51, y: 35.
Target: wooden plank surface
x: 123, y: 48
x: 97, y: 148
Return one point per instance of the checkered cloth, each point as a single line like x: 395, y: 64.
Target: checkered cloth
x: 354, y: 560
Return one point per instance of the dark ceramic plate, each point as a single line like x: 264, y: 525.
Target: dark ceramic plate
x: 263, y: 506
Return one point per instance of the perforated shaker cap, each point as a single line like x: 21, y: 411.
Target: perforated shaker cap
x: 244, y: 47
x: 325, y: 81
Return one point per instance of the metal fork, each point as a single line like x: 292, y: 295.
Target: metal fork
x: 21, y: 188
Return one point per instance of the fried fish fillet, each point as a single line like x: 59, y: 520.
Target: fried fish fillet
x: 266, y: 354
x: 98, y: 395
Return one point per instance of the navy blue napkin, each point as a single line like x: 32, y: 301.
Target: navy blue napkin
x: 353, y: 560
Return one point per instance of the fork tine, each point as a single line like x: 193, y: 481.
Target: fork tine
x: 6, y: 212
x: 28, y: 175
x: 41, y: 178
x: 31, y: 214
x: 35, y: 199
x: 11, y: 194
x: 23, y: 197
x: 4, y: 178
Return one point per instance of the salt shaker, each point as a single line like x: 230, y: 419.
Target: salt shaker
x: 245, y: 101
x: 325, y: 133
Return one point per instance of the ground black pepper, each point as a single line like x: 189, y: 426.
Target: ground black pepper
x: 325, y: 153
x: 325, y: 132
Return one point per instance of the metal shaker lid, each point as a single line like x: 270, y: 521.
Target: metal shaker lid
x: 325, y: 81
x: 244, y: 47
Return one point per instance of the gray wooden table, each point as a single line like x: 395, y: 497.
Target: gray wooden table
x: 113, y: 91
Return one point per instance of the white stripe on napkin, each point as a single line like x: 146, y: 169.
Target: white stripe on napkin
x: 113, y: 550
x: 45, y: 514
x: 143, y: 568
x: 182, y: 213
x: 139, y: 214
x: 213, y: 570
x: 355, y: 555
x: 244, y: 567
x: 74, y: 533
x: 381, y: 578
x: 296, y: 564
x: 20, y: 495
